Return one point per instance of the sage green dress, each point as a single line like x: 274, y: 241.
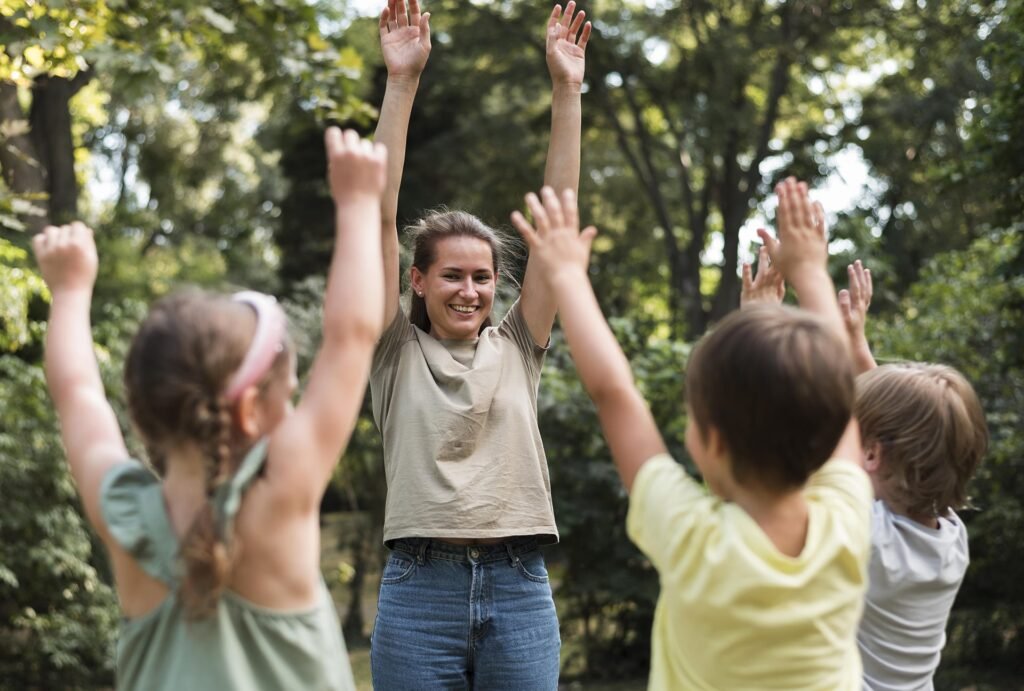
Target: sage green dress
x: 239, y: 646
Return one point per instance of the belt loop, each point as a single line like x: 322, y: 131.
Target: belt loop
x: 422, y: 551
x: 512, y: 556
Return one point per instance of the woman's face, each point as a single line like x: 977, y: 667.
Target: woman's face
x: 458, y: 288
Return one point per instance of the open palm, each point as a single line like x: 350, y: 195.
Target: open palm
x: 567, y: 44
x: 404, y: 38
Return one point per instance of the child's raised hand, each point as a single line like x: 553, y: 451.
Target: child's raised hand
x: 67, y: 257
x: 854, y: 302
x: 404, y: 38
x: 767, y: 286
x: 802, y: 243
x: 567, y: 38
x: 355, y: 167
x: 556, y: 242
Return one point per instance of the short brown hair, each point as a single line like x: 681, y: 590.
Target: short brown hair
x: 931, y: 429
x: 778, y: 385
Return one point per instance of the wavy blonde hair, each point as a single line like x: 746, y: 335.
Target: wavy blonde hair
x: 930, y: 428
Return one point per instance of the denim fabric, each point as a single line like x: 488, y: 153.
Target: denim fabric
x: 465, y: 617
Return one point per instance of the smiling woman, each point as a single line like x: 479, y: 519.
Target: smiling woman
x: 455, y: 267
x: 464, y: 599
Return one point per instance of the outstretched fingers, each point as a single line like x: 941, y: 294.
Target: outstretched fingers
x: 574, y: 28
x: 748, y: 281
x: 526, y: 230
x: 553, y: 207
x: 585, y: 37
x: 567, y: 15
x: 540, y: 215
x: 556, y: 14
x: 402, y: 14
x: 771, y: 243
x: 414, y: 12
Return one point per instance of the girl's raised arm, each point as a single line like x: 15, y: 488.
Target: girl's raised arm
x: 92, y: 437
x: 308, y: 444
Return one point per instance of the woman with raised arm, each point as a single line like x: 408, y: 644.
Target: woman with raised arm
x: 465, y: 600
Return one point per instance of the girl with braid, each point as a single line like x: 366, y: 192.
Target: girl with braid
x: 215, y: 556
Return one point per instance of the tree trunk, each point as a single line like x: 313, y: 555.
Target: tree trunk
x: 18, y: 160
x: 50, y: 118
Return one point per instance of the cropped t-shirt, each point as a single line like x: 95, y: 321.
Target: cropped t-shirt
x: 463, y: 454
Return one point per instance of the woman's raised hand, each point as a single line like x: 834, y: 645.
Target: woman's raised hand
x: 567, y: 44
x: 404, y: 38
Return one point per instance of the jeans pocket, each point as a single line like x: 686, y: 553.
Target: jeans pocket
x: 531, y: 565
x: 397, y: 570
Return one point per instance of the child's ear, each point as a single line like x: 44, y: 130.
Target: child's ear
x: 872, y: 456
x: 714, y: 443
x: 246, y: 414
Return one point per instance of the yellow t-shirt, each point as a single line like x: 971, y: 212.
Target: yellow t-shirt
x: 735, y: 613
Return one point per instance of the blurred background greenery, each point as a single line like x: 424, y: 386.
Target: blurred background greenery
x: 189, y: 136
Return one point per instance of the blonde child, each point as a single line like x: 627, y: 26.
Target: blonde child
x: 924, y: 435
x: 763, y: 577
x: 215, y: 556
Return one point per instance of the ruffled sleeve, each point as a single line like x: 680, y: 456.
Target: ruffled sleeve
x: 133, y: 508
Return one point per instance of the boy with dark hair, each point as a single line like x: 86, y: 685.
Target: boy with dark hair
x: 763, y: 578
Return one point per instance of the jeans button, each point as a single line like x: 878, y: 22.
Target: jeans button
x: 474, y: 552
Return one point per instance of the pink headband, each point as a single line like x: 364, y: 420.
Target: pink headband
x: 266, y: 342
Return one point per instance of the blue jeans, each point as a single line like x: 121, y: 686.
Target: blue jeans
x: 465, y: 617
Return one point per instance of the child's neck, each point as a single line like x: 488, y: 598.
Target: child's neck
x: 782, y: 517
x: 184, y: 486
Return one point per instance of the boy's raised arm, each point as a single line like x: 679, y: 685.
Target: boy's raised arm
x: 405, y: 45
x: 562, y: 253
x: 92, y: 437
x: 854, y: 303
x: 566, y: 46
x: 801, y: 254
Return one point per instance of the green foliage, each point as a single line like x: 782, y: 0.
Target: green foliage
x: 608, y: 589
x: 19, y: 285
x: 58, y: 620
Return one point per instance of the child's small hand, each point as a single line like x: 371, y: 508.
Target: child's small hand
x: 67, y: 257
x: 567, y: 44
x: 768, y: 286
x: 854, y: 302
x: 802, y: 244
x: 557, y: 242
x: 404, y: 38
x: 355, y: 167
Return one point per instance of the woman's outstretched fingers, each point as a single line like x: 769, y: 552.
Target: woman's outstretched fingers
x: 585, y: 35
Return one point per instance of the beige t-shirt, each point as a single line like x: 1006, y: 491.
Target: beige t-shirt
x: 462, y: 451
